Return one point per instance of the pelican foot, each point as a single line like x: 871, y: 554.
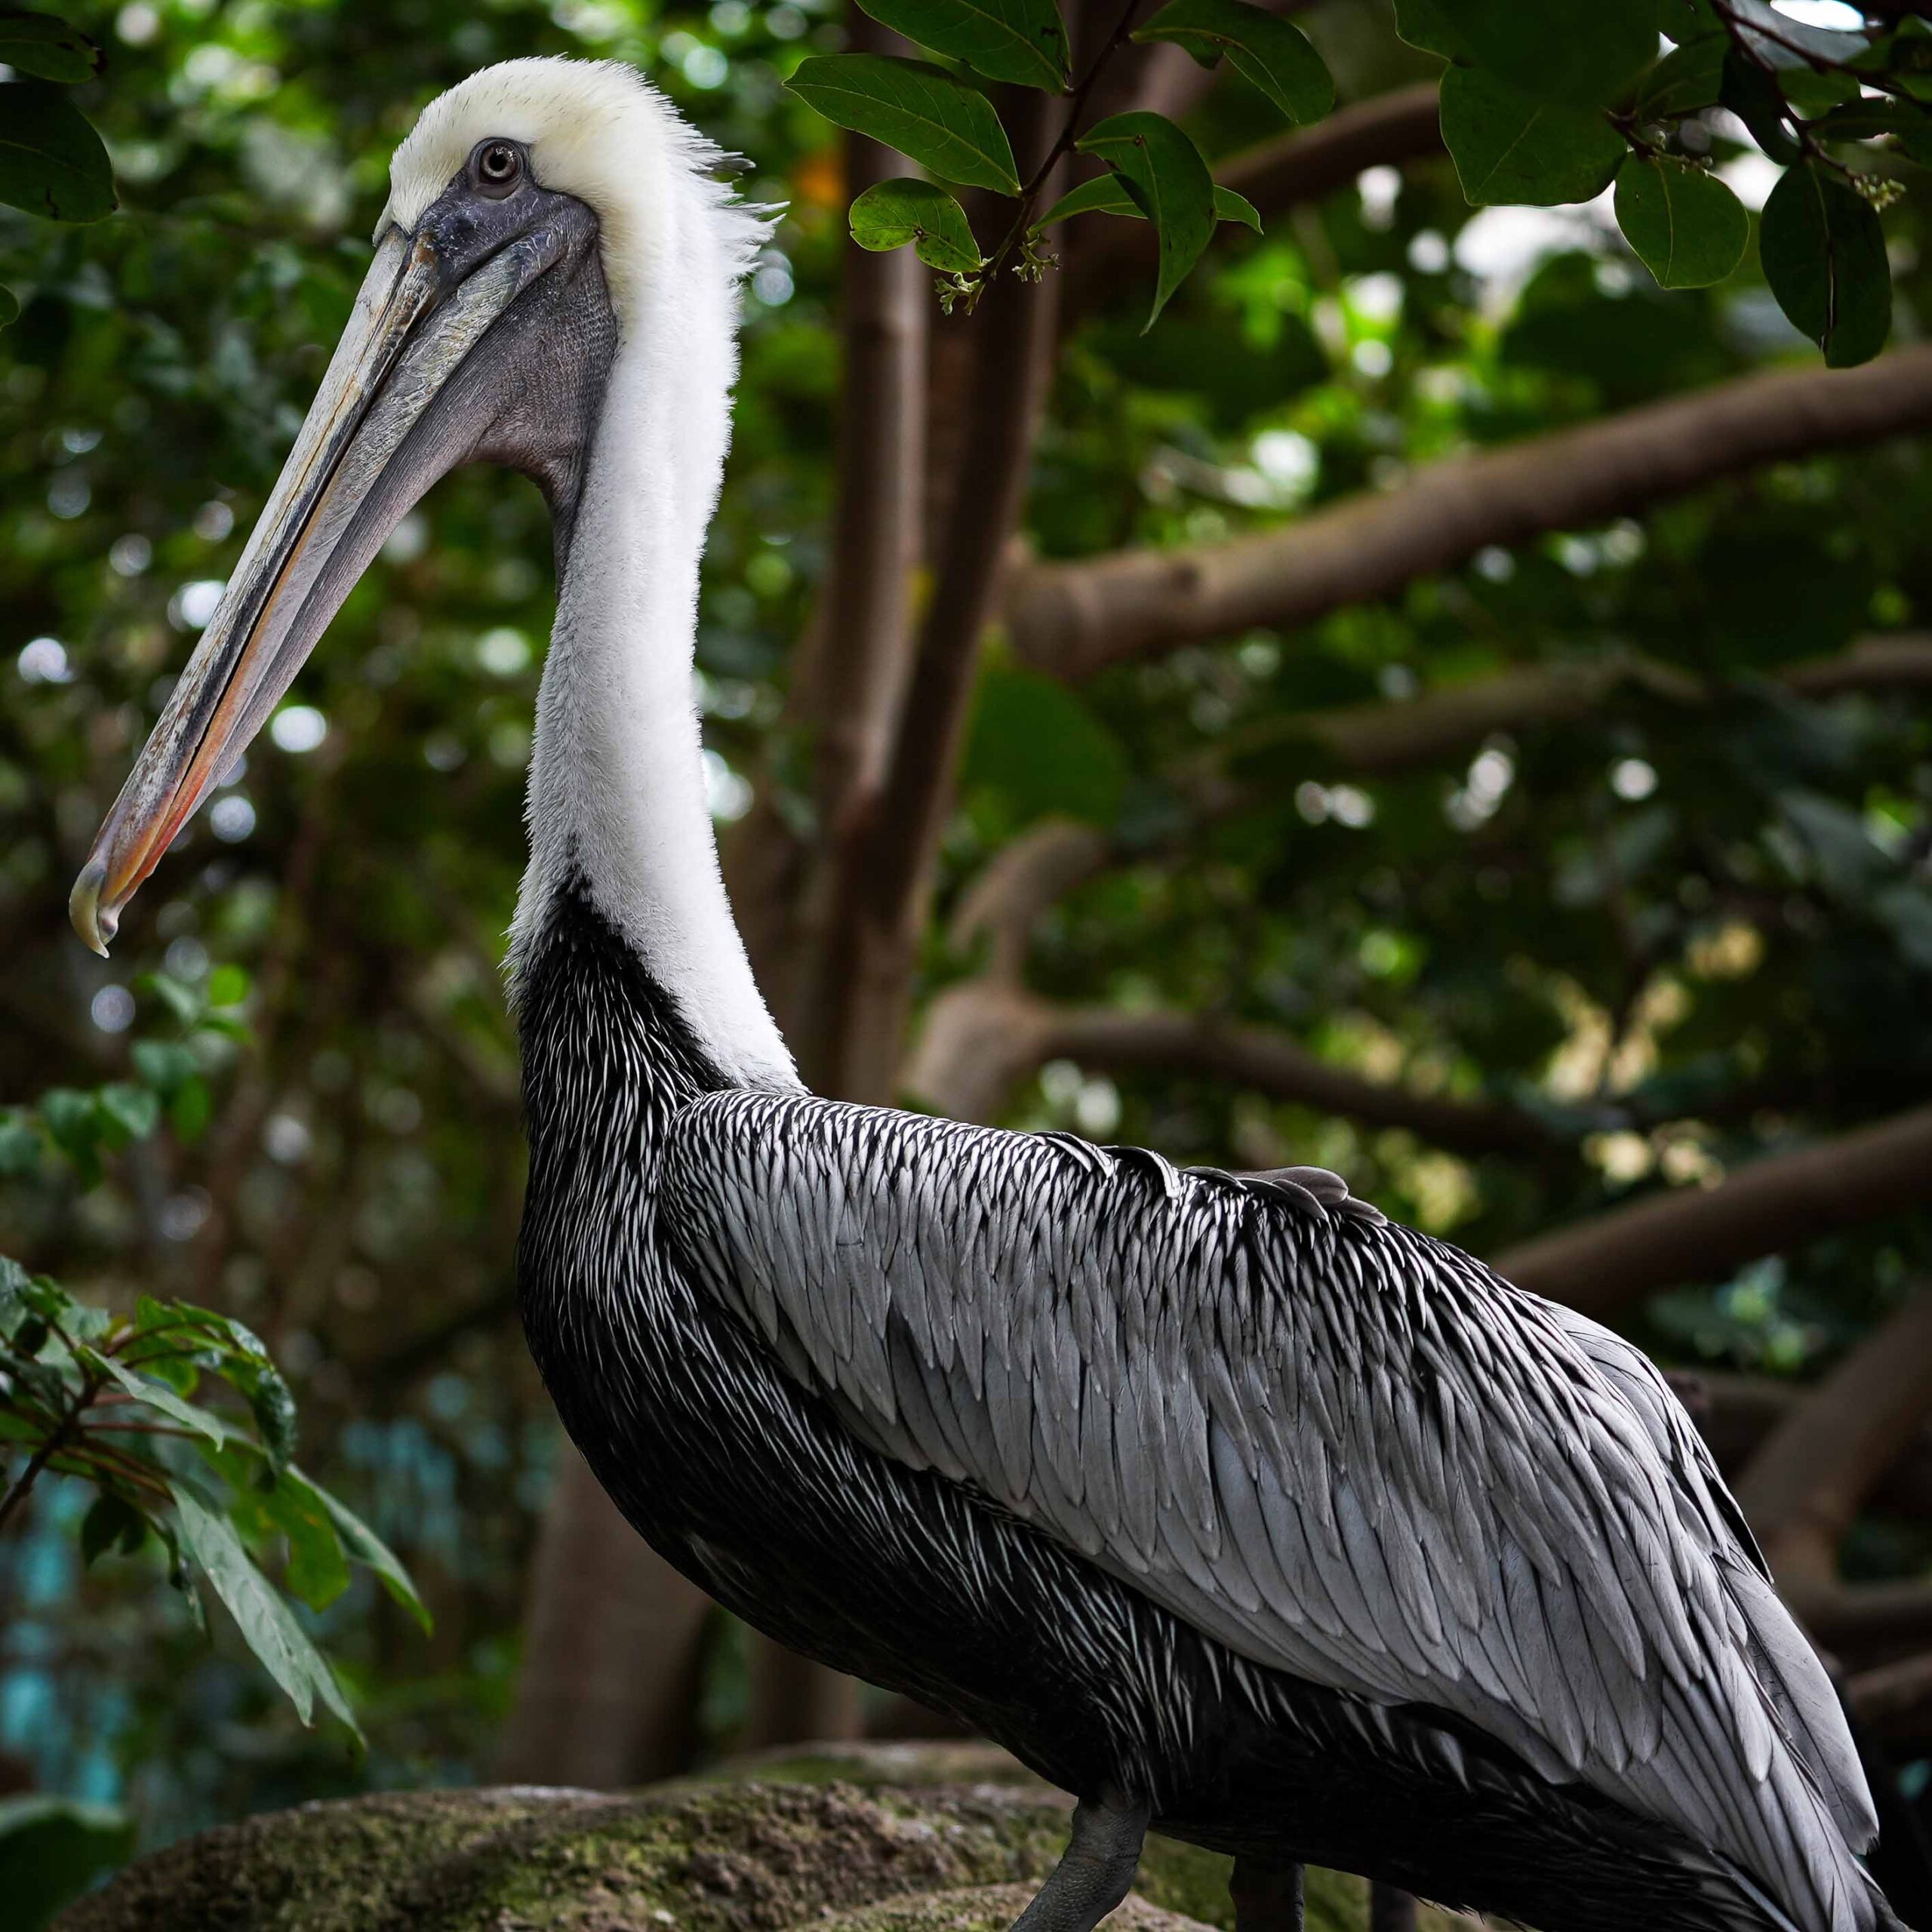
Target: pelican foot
x: 1268, y: 1898
x: 1096, y: 1871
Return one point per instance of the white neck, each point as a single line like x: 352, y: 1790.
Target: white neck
x: 617, y: 791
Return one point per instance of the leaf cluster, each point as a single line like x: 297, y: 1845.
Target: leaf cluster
x: 1543, y: 102
x: 83, y: 1125
x: 938, y: 115
x: 1549, y: 103
x: 185, y: 1429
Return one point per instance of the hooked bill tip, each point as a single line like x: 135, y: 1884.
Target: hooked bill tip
x: 93, y: 922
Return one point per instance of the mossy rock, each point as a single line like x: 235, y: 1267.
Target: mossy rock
x: 878, y: 1838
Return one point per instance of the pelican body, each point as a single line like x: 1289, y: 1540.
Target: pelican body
x: 1223, y: 1502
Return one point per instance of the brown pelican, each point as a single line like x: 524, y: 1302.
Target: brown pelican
x: 1225, y: 1503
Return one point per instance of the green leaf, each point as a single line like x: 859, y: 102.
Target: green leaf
x: 267, y: 1625
x: 110, y: 1519
x: 165, y: 1065
x: 71, y: 1119
x: 1426, y: 24
x: 895, y: 212
x: 1686, y: 79
x: 1277, y: 58
x: 1777, y: 38
x: 228, y: 986
x: 1163, y: 170
x: 82, y: 1322
x: 1005, y: 40
x: 135, y: 1111
x: 158, y: 1396
x: 180, y: 999
x: 30, y: 1337
x: 10, y: 307
x: 1229, y: 206
x: 1753, y: 97
x: 946, y: 126
x: 1104, y: 195
x: 1823, y: 252
x: 1581, y: 53
x: 51, y: 162
x: 19, y: 1144
x: 229, y: 1334
x: 52, y: 1850
x: 48, y: 49
x: 1906, y: 54
x: 14, y: 1282
x: 271, y: 1405
x: 51, y: 1302
x: 366, y: 1548
x: 190, y: 1109
x: 160, y: 1333
x: 1687, y: 228
x: 1908, y: 127
x: 1811, y: 94
x: 318, y: 1571
x: 1038, y: 747
x: 1685, y: 21
x: 1508, y: 145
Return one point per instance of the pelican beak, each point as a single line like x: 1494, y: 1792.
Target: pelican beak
x: 375, y: 439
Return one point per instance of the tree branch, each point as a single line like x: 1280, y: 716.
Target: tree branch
x: 1389, y: 130
x: 1603, y: 1264
x: 1894, y: 1700
x: 853, y: 682
x: 1073, y: 619
x: 1019, y: 883
x: 1866, y: 1623
x: 1812, y: 1473
x: 1903, y: 662
x: 981, y: 1039
x: 859, y: 669
x: 1383, y: 737
x: 1740, y: 1411
x: 879, y: 893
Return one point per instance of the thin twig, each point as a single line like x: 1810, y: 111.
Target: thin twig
x: 56, y: 1439
x: 1069, y: 132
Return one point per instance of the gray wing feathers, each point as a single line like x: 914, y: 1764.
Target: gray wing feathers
x: 1345, y: 1451
x: 1762, y: 1629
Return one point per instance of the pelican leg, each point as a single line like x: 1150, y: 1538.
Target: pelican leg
x: 1096, y: 1871
x: 1268, y: 1898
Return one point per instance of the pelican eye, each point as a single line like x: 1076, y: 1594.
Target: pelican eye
x: 499, y: 167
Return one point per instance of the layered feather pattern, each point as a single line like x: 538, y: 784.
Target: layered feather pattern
x: 1343, y: 1450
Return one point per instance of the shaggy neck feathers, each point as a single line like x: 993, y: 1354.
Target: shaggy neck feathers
x: 617, y: 796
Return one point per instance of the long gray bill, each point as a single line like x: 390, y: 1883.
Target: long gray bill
x: 329, y: 513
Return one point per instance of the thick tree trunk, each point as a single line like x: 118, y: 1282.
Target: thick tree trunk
x: 607, y: 1694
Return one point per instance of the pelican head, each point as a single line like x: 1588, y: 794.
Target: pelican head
x: 534, y: 223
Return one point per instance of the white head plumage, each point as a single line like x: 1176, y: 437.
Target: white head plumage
x: 596, y: 129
